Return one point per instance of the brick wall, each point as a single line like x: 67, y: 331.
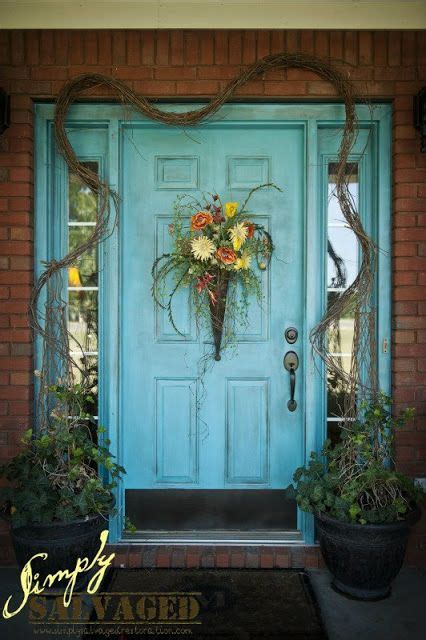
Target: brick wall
x: 174, y: 64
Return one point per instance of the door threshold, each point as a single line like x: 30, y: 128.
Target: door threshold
x: 228, y: 537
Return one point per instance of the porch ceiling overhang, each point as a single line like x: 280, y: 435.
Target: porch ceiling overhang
x: 213, y: 14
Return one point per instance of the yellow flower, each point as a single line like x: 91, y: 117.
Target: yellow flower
x: 231, y: 209
x: 202, y: 248
x: 74, y: 277
x: 243, y: 262
x: 238, y: 234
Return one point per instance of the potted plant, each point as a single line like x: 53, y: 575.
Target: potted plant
x: 56, y: 499
x: 363, y: 508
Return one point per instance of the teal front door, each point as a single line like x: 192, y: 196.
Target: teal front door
x: 232, y: 429
x: 226, y: 441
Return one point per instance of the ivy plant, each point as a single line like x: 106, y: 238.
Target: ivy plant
x: 355, y: 480
x: 58, y: 474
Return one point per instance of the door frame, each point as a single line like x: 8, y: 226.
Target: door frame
x: 51, y: 240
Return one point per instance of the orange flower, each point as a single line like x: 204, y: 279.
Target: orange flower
x: 200, y: 220
x: 250, y: 228
x: 225, y: 255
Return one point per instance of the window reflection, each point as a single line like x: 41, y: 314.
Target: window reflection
x: 342, y: 268
x: 83, y: 283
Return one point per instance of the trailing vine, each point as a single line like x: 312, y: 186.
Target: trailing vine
x: 357, y: 296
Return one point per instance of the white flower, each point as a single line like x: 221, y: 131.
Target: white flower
x: 202, y: 248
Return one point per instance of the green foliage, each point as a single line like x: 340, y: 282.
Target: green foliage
x: 355, y: 481
x: 129, y: 527
x: 57, y: 474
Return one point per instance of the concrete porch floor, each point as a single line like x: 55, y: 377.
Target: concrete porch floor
x: 400, y: 617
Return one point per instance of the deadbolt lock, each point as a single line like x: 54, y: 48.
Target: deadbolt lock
x: 291, y: 335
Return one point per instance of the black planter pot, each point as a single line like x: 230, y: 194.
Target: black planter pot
x: 64, y: 542
x: 363, y: 559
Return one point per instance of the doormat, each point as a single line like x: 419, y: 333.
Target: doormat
x: 232, y: 604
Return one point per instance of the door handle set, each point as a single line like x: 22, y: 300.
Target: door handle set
x: 291, y: 364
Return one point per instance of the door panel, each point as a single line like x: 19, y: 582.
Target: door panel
x: 230, y: 429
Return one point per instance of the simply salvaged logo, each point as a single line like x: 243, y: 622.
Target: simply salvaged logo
x: 163, y: 608
x: 31, y: 585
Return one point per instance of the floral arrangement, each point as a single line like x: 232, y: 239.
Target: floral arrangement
x: 217, y: 248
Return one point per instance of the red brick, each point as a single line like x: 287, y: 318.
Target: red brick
x: 15, y: 277
x: 410, y: 263
x: 21, y: 378
x: 278, y: 41
x: 164, y: 558
x: 404, y: 278
x: 404, y: 337
x: 176, y: 47
x: 235, y: 47
x: 322, y: 43
x: 104, y: 48
x: 207, y: 48
x: 196, y: 87
x: 191, y: 48
x: 237, y: 560
x: 351, y: 47
x: 282, y: 560
x: 408, y: 48
x: 118, y: 47
x: 404, y: 364
x: 266, y: 559
x: 14, y: 393
x: 20, y: 408
x: 336, y: 45
x: 21, y: 174
x: 15, y: 248
x: 249, y: 47
x: 147, y: 42
x: 193, y: 559
x: 163, y: 48
x: 405, y: 308
x: 394, y: 49
x: 132, y: 73
x: 220, y: 47
x: 401, y: 249
x: 32, y: 53
x: 291, y: 88
x: 175, y: 73
x: 17, y: 47
x: 410, y: 293
x: 307, y: 41
x: 155, y: 87
x: 15, y: 335
x: 365, y: 39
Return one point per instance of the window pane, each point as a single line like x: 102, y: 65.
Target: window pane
x: 82, y: 202
x: 342, y: 252
x: 83, y: 320
x: 336, y: 393
x: 334, y: 213
x: 84, y: 272
x: 340, y: 336
x: 89, y: 365
x: 333, y: 431
x: 83, y: 305
x: 342, y: 268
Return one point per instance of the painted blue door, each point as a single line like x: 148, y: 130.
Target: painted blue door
x: 232, y: 429
x: 242, y: 435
